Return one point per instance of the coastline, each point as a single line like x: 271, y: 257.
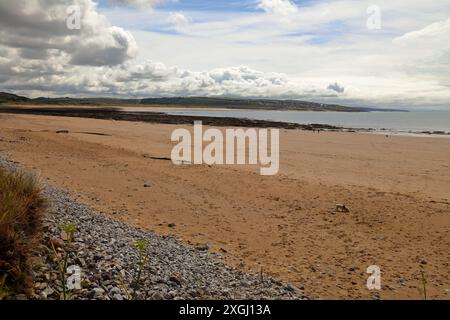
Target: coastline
x: 140, y: 115
x: 396, y: 189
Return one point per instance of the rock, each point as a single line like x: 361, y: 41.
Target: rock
x: 47, y: 292
x: 147, y: 184
x: 81, y: 262
x: 115, y: 291
x: 64, y: 235
x: 117, y: 296
x: 106, y: 276
x: 202, y: 247
x: 85, y: 283
x: 97, y: 257
x: 176, y: 280
x: 376, y: 296
x: 289, y: 288
x: 173, y: 294
x: 193, y: 293
x: 40, y: 285
x: 341, y: 208
x: 96, y: 293
x: 200, y: 291
x: 156, y: 296
x: 171, y: 225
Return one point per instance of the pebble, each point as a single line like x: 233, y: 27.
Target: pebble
x: 202, y: 247
x: 117, y: 297
x: 96, y: 293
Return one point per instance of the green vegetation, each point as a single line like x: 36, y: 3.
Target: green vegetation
x: 143, y: 256
x: 9, y: 97
x: 185, y: 102
x: 4, y: 291
x: 22, y: 207
x: 423, y: 289
x: 62, y: 258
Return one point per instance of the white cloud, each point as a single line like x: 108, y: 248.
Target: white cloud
x: 434, y: 32
x: 37, y: 26
x: 427, y: 51
x: 278, y: 7
x: 151, y: 79
x: 178, y: 20
x: 156, y: 79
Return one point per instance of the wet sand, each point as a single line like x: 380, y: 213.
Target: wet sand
x: 397, y: 190
x: 130, y: 114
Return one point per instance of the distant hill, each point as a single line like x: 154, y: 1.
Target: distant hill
x: 85, y: 101
x: 9, y: 97
x: 198, y: 102
x: 12, y: 98
x: 261, y: 104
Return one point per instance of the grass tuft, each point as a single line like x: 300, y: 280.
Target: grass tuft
x: 22, y: 207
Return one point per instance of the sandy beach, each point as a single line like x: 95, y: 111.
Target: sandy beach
x: 396, y: 188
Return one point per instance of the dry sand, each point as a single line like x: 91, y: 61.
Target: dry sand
x: 397, y: 189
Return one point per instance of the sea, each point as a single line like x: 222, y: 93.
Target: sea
x: 414, y: 122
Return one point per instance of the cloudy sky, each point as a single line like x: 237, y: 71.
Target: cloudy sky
x: 381, y: 53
